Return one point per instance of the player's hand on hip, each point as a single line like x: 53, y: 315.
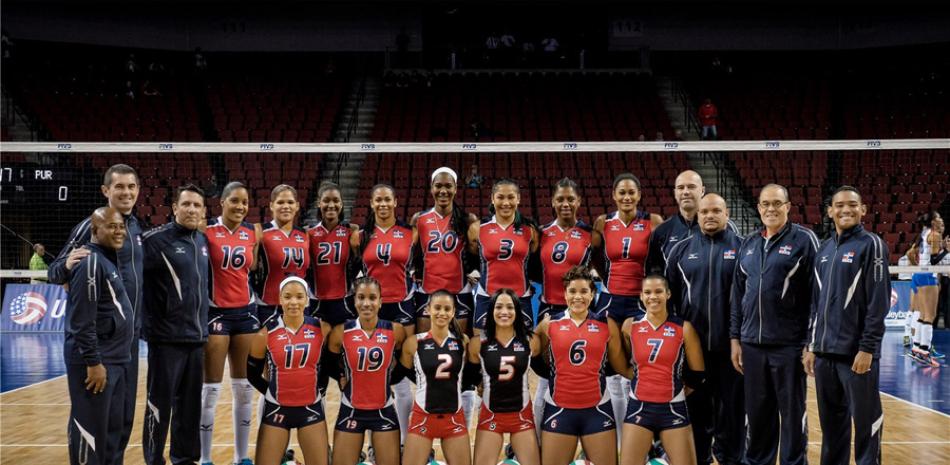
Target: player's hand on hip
x: 75, y: 256
x: 737, y: 356
x: 808, y: 361
x: 96, y: 378
x: 862, y: 363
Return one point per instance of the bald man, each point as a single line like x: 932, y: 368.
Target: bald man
x: 687, y: 190
x: 98, y: 344
x: 700, y: 271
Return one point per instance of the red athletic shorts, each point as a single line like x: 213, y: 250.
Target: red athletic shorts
x: 510, y: 422
x: 436, y: 425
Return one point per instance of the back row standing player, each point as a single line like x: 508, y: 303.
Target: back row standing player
x: 626, y: 236
x: 120, y: 186
x: 284, y: 251
x: 330, y: 255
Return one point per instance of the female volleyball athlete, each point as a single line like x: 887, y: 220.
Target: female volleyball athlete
x: 292, y: 345
x: 437, y: 357
x: 927, y: 287
x: 504, y: 243
x: 501, y: 357
x: 329, y: 256
x: 624, y: 240
x: 579, y: 344
x: 284, y: 250
x: 659, y: 345
x: 385, y: 244
x: 232, y: 318
x: 367, y: 346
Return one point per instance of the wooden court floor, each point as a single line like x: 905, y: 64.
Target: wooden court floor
x: 33, y: 427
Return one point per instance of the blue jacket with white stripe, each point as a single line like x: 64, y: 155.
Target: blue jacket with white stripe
x: 176, y: 296
x: 852, y: 294
x: 99, y: 316
x: 772, y: 288
x: 700, y: 271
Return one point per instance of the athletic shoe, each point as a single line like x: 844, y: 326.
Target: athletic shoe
x: 935, y: 354
x: 245, y: 461
x: 207, y: 463
x: 923, y: 357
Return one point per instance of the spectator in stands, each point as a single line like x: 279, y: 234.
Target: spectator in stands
x: 40, y: 261
x: 474, y: 180
x: 708, y: 113
x: 201, y: 65
x: 642, y: 137
x: 677, y: 134
x: 659, y: 136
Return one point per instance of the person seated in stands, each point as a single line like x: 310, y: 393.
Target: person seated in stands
x: 474, y: 180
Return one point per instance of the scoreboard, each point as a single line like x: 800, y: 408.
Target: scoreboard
x: 37, y: 184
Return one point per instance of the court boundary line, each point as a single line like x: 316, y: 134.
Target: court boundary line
x: 31, y: 385
x: 915, y: 405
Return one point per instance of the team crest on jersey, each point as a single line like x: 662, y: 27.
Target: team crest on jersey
x: 243, y: 235
x: 669, y: 331
x: 593, y: 328
x: 638, y: 227
x: 299, y: 238
x: 309, y: 333
x: 693, y: 256
x: 729, y: 254
x: 575, y: 235
x: 848, y: 257
x: 453, y: 345
x: 517, y: 347
x: 785, y: 250
x: 382, y: 338
x: 398, y: 234
x: 340, y: 233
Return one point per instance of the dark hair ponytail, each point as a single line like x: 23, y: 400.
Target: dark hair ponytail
x: 369, y: 225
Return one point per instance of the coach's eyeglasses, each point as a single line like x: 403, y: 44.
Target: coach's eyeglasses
x: 776, y: 204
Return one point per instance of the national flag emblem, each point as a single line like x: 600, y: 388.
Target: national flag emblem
x: 785, y: 250
x: 848, y: 257
x: 593, y: 328
x: 243, y: 235
x: 309, y: 333
x: 669, y: 331
x: 381, y: 338
x: 28, y: 308
x: 729, y: 254
x: 638, y: 227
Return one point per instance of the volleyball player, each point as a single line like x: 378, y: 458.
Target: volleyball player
x: 232, y: 318
x: 928, y: 289
x: 504, y: 243
x: 579, y: 344
x: 385, y: 244
x: 667, y: 361
x: 626, y: 238
x: 99, y: 333
x: 768, y: 330
x: 367, y: 346
x: 501, y: 357
x: 848, y: 308
x: 292, y: 344
x: 565, y: 243
x: 443, y: 242
x: 437, y: 357
x: 329, y: 256
x: 284, y: 251
x: 120, y: 186
x: 700, y: 271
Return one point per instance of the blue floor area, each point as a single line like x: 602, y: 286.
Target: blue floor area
x: 28, y: 358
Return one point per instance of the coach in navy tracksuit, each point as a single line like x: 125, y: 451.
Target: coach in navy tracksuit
x: 120, y: 186
x: 851, y: 298
x: 176, y: 328
x: 700, y: 271
x: 770, y: 307
x: 99, y: 333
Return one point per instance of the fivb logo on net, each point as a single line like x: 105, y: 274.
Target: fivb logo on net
x: 30, y: 307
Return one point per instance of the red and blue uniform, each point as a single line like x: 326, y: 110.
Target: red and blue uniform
x: 329, y: 254
x: 283, y: 254
x: 386, y: 258
x: 231, y: 256
x: 577, y: 402
x: 626, y: 247
x: 443, y: 266
x: 367, y: 402
x: 560, y: 250
x: 657, y: 393
x: 292, y: 399
x: 504, y: 253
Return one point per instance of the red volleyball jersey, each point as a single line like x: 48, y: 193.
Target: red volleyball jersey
x: 387, y: 257
x: 657, y: 359
x: 560, y: 250
x: 625, y: 249
x: 329, y: 252
x: 577, y: 357
x: 368, y: 362
x: 504, y: 255
x: 441, y: 253
x: 282, y: 254
x: 231, y: 255
x: 294, y: 361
